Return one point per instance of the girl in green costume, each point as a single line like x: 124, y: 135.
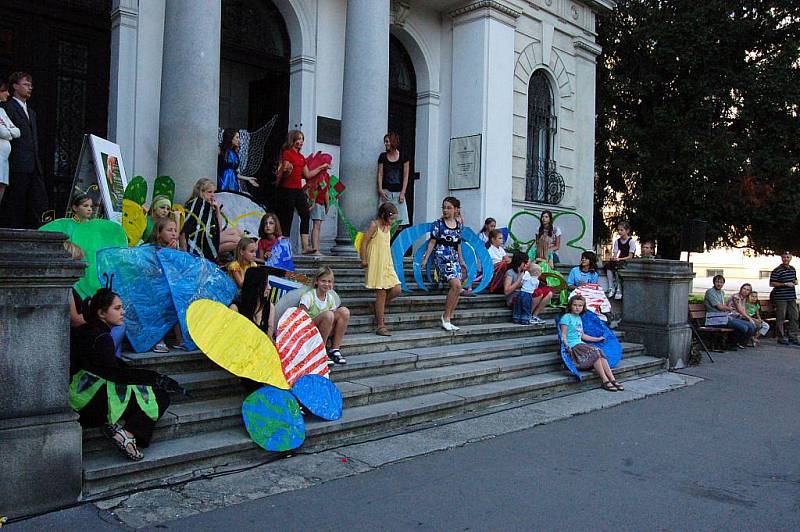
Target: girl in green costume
x: 125, y: 401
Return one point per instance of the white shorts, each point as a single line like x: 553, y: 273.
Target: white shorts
x: 402, y: 208
x: 317, y: 212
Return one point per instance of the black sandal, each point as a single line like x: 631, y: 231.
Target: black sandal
x: 609, y: 386
x: 618, y: 385
x: 127, y: 445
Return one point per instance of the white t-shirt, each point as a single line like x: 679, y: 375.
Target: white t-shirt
x: 497, y: 253
x: 315, y: 305
x: 529, y: 283
x: 633, y: 249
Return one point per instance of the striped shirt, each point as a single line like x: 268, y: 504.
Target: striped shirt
x: 783, y: 274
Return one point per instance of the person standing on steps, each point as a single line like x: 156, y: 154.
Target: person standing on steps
x: 8, y: 132
x: 783, y: 281
x: 290, y: 196
x: 393, y: 169
x: 376, y: 257
x: 445, y: 247
x: 25, y: 199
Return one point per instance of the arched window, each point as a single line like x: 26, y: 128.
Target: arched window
x: 543, y: 183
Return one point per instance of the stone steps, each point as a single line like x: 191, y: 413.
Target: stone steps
x: 379, y: 376
x: 105, y: 472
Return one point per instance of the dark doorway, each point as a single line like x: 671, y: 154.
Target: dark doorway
x: 66, y: 47
x: 254, y: 81
x: 403, y: 108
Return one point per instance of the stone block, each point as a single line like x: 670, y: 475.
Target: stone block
x: 41, y: 463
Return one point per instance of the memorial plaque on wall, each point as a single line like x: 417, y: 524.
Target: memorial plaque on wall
x: 465, y: 163
x: 329, y: 131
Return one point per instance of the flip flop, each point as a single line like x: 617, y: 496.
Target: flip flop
x: 609, y: 386
x: 382, y: 331
x: 618, y: 385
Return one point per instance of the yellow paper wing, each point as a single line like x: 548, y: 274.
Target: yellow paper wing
x: 357, y: 242
x: 134, y: 221
x: 235, y: 343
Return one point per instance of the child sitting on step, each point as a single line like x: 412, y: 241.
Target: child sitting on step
x: 584, y: 354
x: 165, y: 235
x: 376, y: 257
x: 324, y: 308
x: 244, y: 256
x: 532, y: 298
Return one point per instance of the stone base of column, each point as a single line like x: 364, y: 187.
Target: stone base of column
x: 672, y: 342
x: 344, y: 248
x: 41, y: 463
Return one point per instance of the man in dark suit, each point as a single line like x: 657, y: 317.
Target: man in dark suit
x: 25, y: 200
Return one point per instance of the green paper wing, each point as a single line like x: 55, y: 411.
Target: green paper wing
x: 82, y: 389
x: 90, y: 236
x: 136, y: 191
x: 164, y: 186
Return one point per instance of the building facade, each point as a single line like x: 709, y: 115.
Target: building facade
x: 520, y: 74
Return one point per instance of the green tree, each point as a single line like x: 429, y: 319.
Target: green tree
x: 697, y: 106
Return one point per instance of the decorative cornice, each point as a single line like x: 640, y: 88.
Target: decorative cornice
x: 302, y: 62
x: 399, y: 13
x: 485, y: 4
x: 428, y: 98
x: 588, y: 48
x: 600, y: 5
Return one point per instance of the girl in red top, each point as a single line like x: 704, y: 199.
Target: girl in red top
x: 290, y: 195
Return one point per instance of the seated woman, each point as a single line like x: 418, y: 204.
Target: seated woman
x: 739, y: 319
x: 99, y: 379
x: 585, y: 273
x: 584, y: 280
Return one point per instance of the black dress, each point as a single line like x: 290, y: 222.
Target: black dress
x: 104, y: 389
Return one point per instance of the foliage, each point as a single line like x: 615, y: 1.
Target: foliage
x: 698, y: 119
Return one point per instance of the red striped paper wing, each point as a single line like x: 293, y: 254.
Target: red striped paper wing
x: 300, y: 346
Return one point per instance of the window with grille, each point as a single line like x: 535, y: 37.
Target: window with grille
x: 543, y: 183
x: 712, y: 273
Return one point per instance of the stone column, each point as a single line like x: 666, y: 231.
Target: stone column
x: 122, y: 89
x: 365, y: 108
x: 190, y: 93
x: 40, y: 438
x: 656, y: 307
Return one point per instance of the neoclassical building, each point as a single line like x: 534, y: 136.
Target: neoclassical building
x: 520, y: 74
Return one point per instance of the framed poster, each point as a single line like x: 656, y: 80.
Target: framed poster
x: 465, y: 162
x: 100, y: 169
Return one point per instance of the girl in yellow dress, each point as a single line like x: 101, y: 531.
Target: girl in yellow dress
x: 376, y: 257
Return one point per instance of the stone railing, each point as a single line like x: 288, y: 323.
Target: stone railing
x: 40, y: 438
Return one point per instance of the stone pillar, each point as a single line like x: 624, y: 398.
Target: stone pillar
x: 656, y: 307
x: 40, y: 438
x: 483, y: 103
x: 365, y: 108
x: 122, y: 89
x: 190, y: 93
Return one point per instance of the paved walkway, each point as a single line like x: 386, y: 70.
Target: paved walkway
x: 721, y: 454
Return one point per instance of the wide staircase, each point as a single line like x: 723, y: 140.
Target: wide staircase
x: 420, y: 373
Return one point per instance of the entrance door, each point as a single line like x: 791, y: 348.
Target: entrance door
x: 66, y: 47
x: 403, y: 108
x: 254, y: 84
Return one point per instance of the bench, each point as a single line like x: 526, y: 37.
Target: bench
x: 717, y: 334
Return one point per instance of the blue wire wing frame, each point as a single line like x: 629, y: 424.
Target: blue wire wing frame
x: 404, y: 241
x: 481, y: 256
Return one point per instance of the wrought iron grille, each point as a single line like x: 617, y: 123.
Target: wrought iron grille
x: 543, y: 183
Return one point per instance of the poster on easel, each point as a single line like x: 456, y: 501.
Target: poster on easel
x: 100, y: 168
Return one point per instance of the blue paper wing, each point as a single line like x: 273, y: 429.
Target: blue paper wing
x: 565, y: 357
x: 405, y: 239
x: 273, y: 420
x: 191, y: 278
x: 482, y: 256
x: 504, y: 231
x: 142, y: 286
x: 319, y: 395
x: 470, y: 259
x: 418, y: 267
x: 594, y: 326
x: 281, y: 255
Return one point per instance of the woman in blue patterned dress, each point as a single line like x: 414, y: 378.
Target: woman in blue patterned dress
x: 445, y: 247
